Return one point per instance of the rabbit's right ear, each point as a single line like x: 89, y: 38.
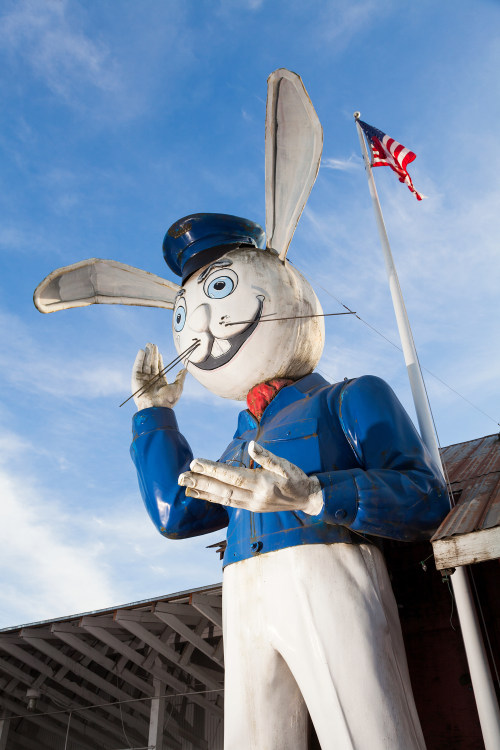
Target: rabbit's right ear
x: 294, y: 142
x: 107, y: 282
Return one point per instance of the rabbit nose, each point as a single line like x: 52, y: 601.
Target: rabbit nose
x: 200, y: 318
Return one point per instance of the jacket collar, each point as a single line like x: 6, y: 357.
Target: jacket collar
x: 284, y: 397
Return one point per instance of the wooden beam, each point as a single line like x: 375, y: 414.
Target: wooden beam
x: 137, y: 628
x: 60, y: 698
x: 189, y: 647
x: 25, y: 742
x: 466, y: 549
x: 51, y: 723
x: 163, y: 612
x: 177, y: 685
x: 183, y: 727
x: 26, y: 657
x: 70, y: 685
x: 75, y: 640
x: 4, y: 728
x: 157, y: 715
x: 204, y: 605
x: 87, y: 674
x: 213, y: 600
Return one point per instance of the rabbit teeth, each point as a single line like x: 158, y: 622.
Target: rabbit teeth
x: 220, y: 347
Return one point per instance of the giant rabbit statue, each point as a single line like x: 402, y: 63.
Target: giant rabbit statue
x: 310, y: 621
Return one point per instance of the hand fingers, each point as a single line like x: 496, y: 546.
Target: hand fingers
x: 148, y: 358
x: 269, y: 461
x: 154, y: 360
x: 247, y: 502
x: 137, y: 368
x: 212, y: 487
x: 137, y: 374
x: 235, y: 476
x: 180, y: 378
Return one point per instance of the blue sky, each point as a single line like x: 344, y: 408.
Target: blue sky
x: 118, y: 118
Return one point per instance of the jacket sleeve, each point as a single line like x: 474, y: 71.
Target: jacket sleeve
x: 160, y: 453
x: 398, y: 492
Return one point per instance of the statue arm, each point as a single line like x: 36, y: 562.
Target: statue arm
x: 397, y: 492
x: 160, y: 453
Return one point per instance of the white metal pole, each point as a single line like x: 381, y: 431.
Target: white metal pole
x: 484, y: 691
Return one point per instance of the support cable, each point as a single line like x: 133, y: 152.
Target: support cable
x: 396, y: 346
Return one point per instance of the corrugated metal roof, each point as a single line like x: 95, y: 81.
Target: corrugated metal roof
x: 474, y: 474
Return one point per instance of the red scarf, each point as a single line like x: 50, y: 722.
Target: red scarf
x: 261, y: 395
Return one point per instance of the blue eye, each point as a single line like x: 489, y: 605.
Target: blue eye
x: 220, y: 287
x: 179, y: 318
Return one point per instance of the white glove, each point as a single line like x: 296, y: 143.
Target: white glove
x: 279, y: 485
x: 147, y: 365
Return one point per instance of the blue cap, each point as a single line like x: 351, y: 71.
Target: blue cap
x: 198, y: 239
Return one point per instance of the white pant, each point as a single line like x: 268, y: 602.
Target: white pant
x: 315, y: 628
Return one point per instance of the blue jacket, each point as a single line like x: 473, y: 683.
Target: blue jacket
x: 376, y: 475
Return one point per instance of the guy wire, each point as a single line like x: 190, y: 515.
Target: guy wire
x: 186, y: 354
x: 76, y: 708
x: 291, y: 317
x: 392, y: 343
x: 177, y: 360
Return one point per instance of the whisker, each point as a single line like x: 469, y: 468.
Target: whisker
x: 177, y: 360
x: 263, y: 319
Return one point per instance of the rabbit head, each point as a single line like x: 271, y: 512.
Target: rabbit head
x: 229, y: 307
x: 251, y: 311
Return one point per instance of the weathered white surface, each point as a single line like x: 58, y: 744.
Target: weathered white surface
x: 285, y: 348
x: 145, y: 372
x: 105, y: 282
x: 465, y: 549
x: 317, y: 625
x: 157, y: 716
x: 294, y: 142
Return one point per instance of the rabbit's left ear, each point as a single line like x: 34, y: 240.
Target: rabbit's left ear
x: 107, y: 282
x: 294, y: 142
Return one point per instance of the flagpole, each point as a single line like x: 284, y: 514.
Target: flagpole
x: 484, y: 691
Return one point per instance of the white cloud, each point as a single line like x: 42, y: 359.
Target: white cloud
x: 59, y: 52
x: 46, y: 568
x: 353, y: 163
x: 57, y: 558
x: 342, y: 20
x: 89, y: 376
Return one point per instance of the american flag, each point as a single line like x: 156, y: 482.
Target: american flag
x: 386, y: 152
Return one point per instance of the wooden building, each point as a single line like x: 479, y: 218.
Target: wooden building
x: 150, y: 674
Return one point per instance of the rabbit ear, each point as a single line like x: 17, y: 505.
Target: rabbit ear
x: 107, y: 282
x: 294, y: 141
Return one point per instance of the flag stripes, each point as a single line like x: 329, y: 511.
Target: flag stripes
x: 387, y: 152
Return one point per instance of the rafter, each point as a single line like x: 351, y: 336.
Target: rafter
x: 135, y: 626
x: 171, y: 615
x: 60, y: 699
x: 73, y: 637
x: 173, y: 682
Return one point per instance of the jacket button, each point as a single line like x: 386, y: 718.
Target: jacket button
x: 340, y: 514
x: 256, y: 546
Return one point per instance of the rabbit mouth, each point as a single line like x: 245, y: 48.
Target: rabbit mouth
x: 229, y: 347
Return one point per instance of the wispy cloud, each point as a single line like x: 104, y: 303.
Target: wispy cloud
x: 57, y: 48
x: 352, y: 164
x: 342, y: 20
x: 59, y: 558
x: 89, y: 378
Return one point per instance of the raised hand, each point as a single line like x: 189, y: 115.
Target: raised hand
x: 278, y: 485
x: 147, y: 365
